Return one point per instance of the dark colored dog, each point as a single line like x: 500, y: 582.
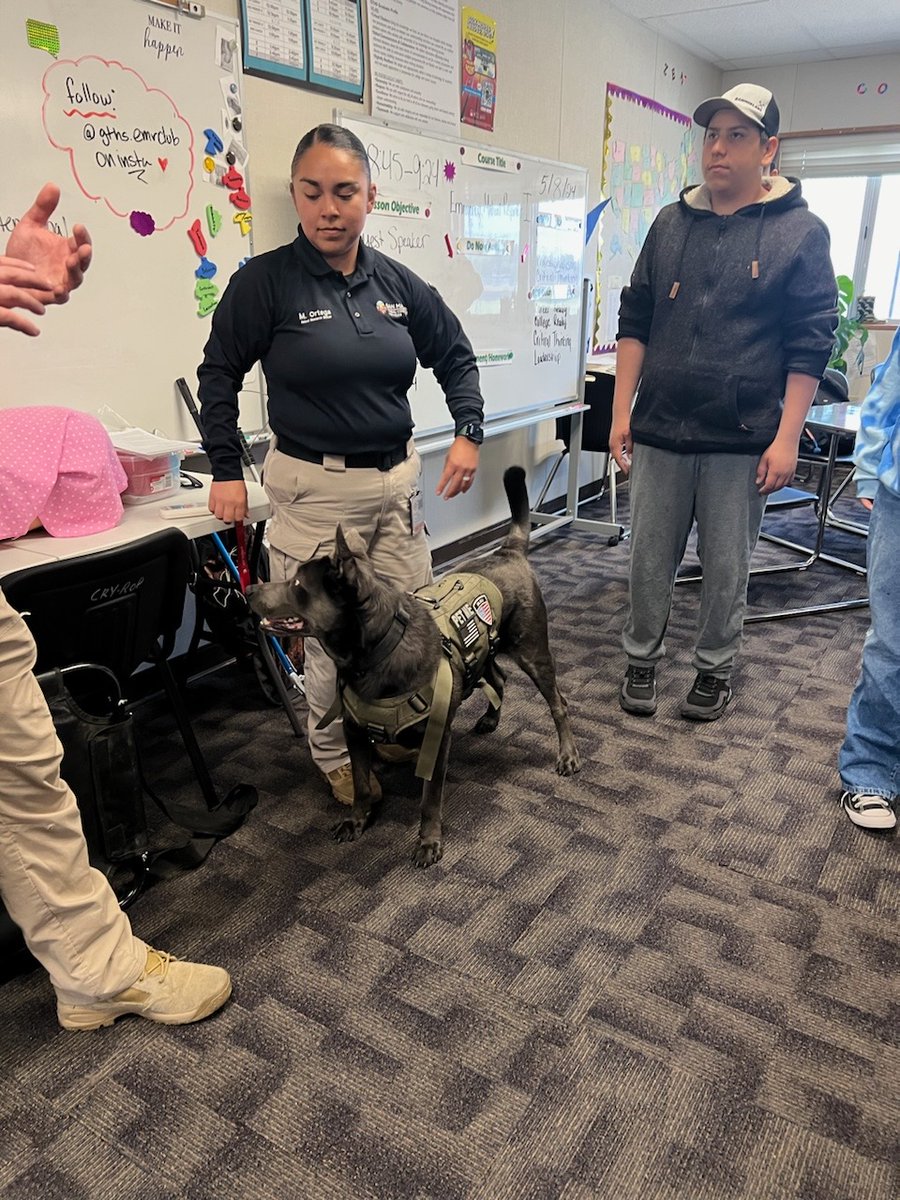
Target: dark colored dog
x: 387, y: 645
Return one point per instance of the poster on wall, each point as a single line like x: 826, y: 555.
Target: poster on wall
x: 478, y: 95
x: 316, y: 43
x: 649, y: 155
x: 415, y: 80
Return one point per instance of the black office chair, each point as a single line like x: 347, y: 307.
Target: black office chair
x: 121, y: 608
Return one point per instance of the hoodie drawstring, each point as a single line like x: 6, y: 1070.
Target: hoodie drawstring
x: 754, y: 265
x: 673, y: 291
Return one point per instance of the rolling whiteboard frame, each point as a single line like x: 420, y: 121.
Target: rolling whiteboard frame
x: 501, y: 236
x: 133, y: 328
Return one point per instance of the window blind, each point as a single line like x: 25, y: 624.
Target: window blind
x: 842, y: 154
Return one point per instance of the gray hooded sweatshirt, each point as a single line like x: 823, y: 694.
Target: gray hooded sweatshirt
x: 726, y: 307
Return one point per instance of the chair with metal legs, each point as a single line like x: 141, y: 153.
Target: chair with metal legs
x: 121, y: 608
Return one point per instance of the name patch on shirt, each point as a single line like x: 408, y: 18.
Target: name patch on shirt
x: 315, y: 314
x: 391, y: 310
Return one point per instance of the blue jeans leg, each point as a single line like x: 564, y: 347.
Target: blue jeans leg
x: 869, y: 760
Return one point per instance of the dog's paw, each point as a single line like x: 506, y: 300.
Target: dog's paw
x: 347, y: 830
x: 568, y: 763
x: 428, y: 853
x: 488, y: 723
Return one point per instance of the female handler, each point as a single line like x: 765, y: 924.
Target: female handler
x: 337, y: 327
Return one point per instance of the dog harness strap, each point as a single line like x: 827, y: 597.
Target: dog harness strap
x: 466, y: 609
x: 437, y: 721
x: 336, y: 710
x: 390, y: 640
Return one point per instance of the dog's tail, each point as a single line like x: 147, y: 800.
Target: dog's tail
x: 517, y: 494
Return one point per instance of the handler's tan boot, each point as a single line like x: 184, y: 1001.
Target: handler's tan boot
x: 167, y: 990
x: 340, y: 780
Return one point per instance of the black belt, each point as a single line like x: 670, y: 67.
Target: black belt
x: 382, y: 460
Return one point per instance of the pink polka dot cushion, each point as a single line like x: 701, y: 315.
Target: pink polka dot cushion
x: 57, y: 465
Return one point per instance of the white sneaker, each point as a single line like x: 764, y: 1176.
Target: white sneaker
x: 167, y: 991
x: 870, y: 812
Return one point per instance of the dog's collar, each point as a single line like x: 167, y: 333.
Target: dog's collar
x: 388, y: 642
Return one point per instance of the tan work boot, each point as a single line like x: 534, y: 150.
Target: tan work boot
x: 340, y: 780
x: 167, y: 991
x: 390, y: 752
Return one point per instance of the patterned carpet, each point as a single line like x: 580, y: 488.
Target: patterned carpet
x: 671, y: 976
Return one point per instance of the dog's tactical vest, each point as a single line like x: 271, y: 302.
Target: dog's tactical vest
x: 467, y: 610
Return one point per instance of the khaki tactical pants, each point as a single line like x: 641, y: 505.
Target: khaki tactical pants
x: 66, y: 910
x: 308, y: 501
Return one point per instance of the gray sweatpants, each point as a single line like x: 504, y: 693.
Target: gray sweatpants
x: 668, y: 493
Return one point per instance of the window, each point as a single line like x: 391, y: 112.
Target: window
x: 852, y: 182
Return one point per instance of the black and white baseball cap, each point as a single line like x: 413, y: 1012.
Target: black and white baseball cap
x: 754, y: 102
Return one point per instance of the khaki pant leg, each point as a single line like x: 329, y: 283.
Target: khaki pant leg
x: 66, y: 910
x: 308, y: 501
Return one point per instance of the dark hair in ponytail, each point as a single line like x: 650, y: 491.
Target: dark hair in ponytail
x: 337, y: 136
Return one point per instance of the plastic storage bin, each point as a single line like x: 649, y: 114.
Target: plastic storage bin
x: 150, y: 478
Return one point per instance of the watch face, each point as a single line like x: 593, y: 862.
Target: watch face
x: 474, y: 433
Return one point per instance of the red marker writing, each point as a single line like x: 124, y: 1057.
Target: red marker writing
x: 449, y: 244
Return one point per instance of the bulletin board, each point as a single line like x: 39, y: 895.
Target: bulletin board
x: 501, y: 237
x: 649, y: 156
x: 134, y: 109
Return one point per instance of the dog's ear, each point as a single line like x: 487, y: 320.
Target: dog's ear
x: 349, y: 555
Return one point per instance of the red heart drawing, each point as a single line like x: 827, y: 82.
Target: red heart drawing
x: 163, y: 162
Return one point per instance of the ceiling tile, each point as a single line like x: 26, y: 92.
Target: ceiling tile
x: 742, y: 34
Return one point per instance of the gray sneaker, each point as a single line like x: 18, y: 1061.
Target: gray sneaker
x: 707, y: 699
x: 638, y: 694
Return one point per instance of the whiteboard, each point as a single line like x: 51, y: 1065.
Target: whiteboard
x: 113, y: 108
x: 501, y: 236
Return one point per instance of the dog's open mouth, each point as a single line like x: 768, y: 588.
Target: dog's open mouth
x: 283, y: 626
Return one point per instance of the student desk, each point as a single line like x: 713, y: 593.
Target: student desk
x: 137, y: 521
x: 833, y: 420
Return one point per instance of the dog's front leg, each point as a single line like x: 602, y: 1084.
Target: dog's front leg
x: 364, y: 795
x: 431, y: 836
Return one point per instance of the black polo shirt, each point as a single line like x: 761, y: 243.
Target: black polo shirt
x: 339, y: 355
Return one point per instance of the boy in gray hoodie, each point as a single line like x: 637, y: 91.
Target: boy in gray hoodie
x: 724, y: 333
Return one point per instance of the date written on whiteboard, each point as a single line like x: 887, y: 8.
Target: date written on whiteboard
x: 558, y: 187
x: 396, y: 167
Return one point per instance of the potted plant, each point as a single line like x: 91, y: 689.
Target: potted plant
x: 847, y: 329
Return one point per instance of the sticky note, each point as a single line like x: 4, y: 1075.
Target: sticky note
x: 240, y: 199
x: 141, y: 223
x: 42, y: 36
x: 207, y: 296
x: 198, y: 241
x: 213, y: 141
x: 213, y: 220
